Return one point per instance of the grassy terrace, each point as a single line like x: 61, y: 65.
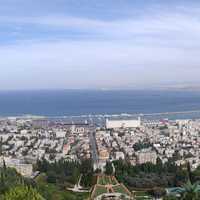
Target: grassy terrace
x: 109, y: 184
x: 113, y: 180
x: 120, y: 189
x: 107, y: 180
x: 101, y: 180
x: 99, y: 190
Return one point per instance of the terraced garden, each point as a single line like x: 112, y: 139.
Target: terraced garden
x: 99, y: 190
x: 120, y: 189
x: 107, y: 180
x: 108, y: 184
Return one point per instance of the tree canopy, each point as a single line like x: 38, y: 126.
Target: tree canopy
x: 22, y: 193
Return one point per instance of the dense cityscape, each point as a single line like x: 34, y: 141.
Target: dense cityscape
x: 118, y: 159
x: 99, y: 100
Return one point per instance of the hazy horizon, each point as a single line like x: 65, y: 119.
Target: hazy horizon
x: 85, y: 44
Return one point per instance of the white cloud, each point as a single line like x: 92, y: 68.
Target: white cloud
x: 93, y: 64
x: 158, y: 23
x: 141, y: 50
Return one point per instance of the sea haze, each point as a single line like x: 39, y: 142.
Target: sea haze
x: 84, y: 102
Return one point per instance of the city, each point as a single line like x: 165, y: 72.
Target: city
x: 26, y: 140
x: 99, y: 100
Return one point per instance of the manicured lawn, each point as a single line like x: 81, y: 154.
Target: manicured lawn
x: 105, y: 180
x: 101, y: 180
x: 99, y: 190
x: 113, y: 181
x: 114, y: 186
x: 120, y: 189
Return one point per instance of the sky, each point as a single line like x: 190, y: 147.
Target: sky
x: 95, y: 44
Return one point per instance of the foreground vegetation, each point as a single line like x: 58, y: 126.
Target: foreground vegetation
x: 22, y: 193
x: 55, y: 179
x: 14, y: 186
x: 149, y: 175
x: 53, y: 191
x: 154, y: 178
x: 66, y: 173
x: 51, y: 184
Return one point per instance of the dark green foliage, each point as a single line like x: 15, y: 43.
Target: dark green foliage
x: 150, y: 175
x: 56, y: 177
x: 195, y: 175
x: 141, y: 145
x: 171, y: 197
x: 9, y: 178
x: 54, y: 191
x: 86, y: 166
x: 87, y: 180
x: 87, y: 173
x: 63, y: 172
x: 22, y: 193
x: 158, y: 192
x: 108, y: 168
x: 181, y: 177
x: 51, y: 177
x: 1, y: 143
x: 190, y: 191
x: 159, y: 165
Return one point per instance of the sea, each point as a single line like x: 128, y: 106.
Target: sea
x: 60, y: 103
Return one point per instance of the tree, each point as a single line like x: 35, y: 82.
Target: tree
x: 108, y: 168
x: 159, y: 165
x: 1, y: 143
x: 190, y: 191
x: 87, y: 173
x: 190, y: 175
x: 9, y: 178
x: 75, y: 175
x: 181, y: 177
x: 196, y: 175
x: 22, y: 193
x: 86, y: 166
x: 158, y: 192
x: 51, y: 177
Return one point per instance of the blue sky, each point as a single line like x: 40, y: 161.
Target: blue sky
x: 63, y: 44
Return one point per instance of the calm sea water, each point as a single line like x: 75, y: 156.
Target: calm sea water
x: 79, y: 102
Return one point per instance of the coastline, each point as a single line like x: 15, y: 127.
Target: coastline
x: 104, y: 116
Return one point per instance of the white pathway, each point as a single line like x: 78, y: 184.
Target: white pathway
x: 77, y: 187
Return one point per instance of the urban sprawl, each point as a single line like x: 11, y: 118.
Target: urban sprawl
x: 25, y: 140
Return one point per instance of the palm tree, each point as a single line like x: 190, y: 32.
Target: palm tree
x: 190, y: 191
